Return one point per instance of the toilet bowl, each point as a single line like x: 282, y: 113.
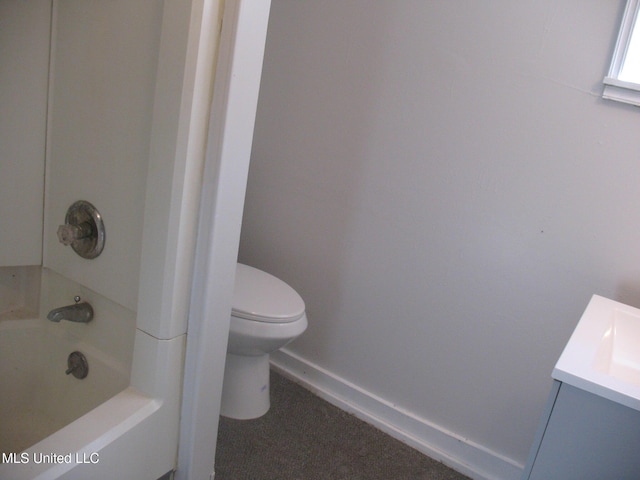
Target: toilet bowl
x: 266, y: 315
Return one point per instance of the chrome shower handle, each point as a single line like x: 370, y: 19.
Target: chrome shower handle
x: 83, y: 230
x: 68, y: 234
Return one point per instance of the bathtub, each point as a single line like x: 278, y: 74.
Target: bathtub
x: 37, y: 397
x: 56, y: 426
x: 41, y: 407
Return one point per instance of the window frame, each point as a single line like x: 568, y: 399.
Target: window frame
x: 614, y: 88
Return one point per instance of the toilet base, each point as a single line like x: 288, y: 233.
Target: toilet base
x: 245, y: 388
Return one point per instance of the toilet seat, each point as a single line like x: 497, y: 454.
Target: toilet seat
x: 261, y: 297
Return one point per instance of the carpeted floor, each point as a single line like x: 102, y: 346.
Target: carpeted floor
x: 303, y: 437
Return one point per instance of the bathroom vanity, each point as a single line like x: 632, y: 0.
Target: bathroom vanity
x: 590, y: 428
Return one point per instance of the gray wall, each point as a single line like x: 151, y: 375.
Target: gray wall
x: 446, y: 189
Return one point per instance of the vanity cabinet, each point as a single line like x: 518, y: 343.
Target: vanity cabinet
x: 584, y: 436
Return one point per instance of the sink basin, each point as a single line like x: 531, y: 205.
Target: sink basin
x: 619, y: 351
x: 603, y: 353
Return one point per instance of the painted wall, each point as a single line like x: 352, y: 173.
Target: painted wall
x: 446, y: 189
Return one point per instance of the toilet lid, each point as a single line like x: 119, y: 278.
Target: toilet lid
x: 262, y: 297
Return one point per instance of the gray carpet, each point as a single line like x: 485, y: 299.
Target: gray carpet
x: 303, y: 437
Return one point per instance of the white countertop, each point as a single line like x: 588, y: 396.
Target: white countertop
x: 603, y: 353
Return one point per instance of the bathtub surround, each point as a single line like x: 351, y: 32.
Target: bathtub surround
x: 99, y: 128
x: 103, y: 152
x: 24, y: 48
x: 128, y: 105
x: 445, y: 187
x: 19, y: 292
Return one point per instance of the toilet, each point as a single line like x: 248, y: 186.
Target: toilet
x: 266, y: 315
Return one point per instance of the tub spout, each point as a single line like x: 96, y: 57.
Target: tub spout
x: 79, y: 312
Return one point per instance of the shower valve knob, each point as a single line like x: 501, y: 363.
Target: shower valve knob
x: 68, y: 234
x: 83, y: 230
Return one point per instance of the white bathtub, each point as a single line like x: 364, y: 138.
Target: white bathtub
x: 65, y: 428
x: 55, y: 426
x: 37, y: 398
x: 48, y: 419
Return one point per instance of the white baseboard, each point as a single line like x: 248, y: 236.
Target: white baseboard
x: 464, y: 456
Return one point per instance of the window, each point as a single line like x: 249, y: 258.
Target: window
x: 623, y: 81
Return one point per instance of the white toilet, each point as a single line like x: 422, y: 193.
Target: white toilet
x: 266, y: 315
